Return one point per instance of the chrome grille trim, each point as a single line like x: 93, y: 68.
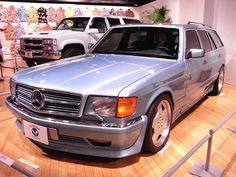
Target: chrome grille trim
x: 33, y: 44
x: 56, y: 103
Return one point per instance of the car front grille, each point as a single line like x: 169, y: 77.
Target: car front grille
x: 52, y: 102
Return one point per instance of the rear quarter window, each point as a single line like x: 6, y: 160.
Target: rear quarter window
x: 216, y: 38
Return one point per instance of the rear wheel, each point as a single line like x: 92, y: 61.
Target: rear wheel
x: 218, y: 84
x: 159, y: 123
x: 70, y: 52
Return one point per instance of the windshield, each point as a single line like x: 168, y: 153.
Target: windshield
x: 142, y: 41
x: 78, y: 24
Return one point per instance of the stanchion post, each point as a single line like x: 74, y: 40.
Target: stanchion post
x: 201, y: 169
x: 209, y: 150
x: 1, y: 70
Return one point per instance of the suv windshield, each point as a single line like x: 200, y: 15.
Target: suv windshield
x: 141, y: 41
x: 78, y: 24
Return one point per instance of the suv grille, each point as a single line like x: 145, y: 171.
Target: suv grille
x: 33, y: 44
x: 48, y: 102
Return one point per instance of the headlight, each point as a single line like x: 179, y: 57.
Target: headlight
x: 110, y: 106
x: 49, y: 44
x: 22, y: 43
x: 102, y: 106
x: 49, y: 41
x: 50, y: 47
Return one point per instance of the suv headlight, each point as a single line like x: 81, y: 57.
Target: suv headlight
x: 22, y: 43
x: 49, y: 41
x: 111, y: 106
x: 49, y: 44
x: 50, y: 47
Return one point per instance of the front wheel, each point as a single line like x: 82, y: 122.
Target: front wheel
x: 159, y: 123
x: 70, y: 52
x: 219, y: 82
x: 34, y: 62
x: 30, y: 62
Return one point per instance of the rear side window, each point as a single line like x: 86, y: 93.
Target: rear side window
x: 129, y: 21
x: 216, y: 39
x: 213, y: 45
x: 114, y: 21
x: 192, y: 41
x: 205, y: 40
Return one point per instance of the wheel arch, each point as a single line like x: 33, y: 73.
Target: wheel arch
x: 74, y: 45
x: 150, y: 145
x: 158, y: 94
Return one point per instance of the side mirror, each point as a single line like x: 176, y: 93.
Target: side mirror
x: 93, y: 31
x: 195, y: 53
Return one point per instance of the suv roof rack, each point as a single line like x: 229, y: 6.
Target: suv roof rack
x: 197, y: 23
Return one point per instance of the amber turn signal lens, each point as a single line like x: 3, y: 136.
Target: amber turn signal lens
x: 126, y: 107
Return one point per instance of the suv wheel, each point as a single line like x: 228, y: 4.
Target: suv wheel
x: 159, y: 123
x: 30, y: 62
x: 219, y: 82
x: 70, y: 52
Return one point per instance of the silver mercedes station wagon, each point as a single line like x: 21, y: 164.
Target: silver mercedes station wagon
x: 123, y: 96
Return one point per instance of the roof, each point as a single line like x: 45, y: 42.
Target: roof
x: 108, y: 16
x: 180, y: 26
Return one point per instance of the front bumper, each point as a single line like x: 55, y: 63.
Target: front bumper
x: 75, y: 137
x: 52, y: 55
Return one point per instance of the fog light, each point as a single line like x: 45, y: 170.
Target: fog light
x: 99, y: 142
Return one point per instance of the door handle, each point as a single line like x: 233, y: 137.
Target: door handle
x: 205, y: 62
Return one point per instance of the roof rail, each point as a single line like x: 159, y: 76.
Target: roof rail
x: 197, y: 23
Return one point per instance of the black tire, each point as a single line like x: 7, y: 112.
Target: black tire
x: 30, y: 62
x: 219, y: 82
x: 70, y: 52
x: 162, y: 119
x: 35, y: 62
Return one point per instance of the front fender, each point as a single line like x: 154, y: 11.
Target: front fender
x: 156, y: 94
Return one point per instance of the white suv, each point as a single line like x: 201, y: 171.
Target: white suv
x: 72, y: 36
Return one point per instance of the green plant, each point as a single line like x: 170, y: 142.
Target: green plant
x: 157, y: 15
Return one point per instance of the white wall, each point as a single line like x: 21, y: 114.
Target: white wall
x: 225, y: 24
x: 172, y: 5
x: 191, y: 10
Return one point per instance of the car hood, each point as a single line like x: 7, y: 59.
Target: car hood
x: 98, y: 74
x: 50, y: 34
